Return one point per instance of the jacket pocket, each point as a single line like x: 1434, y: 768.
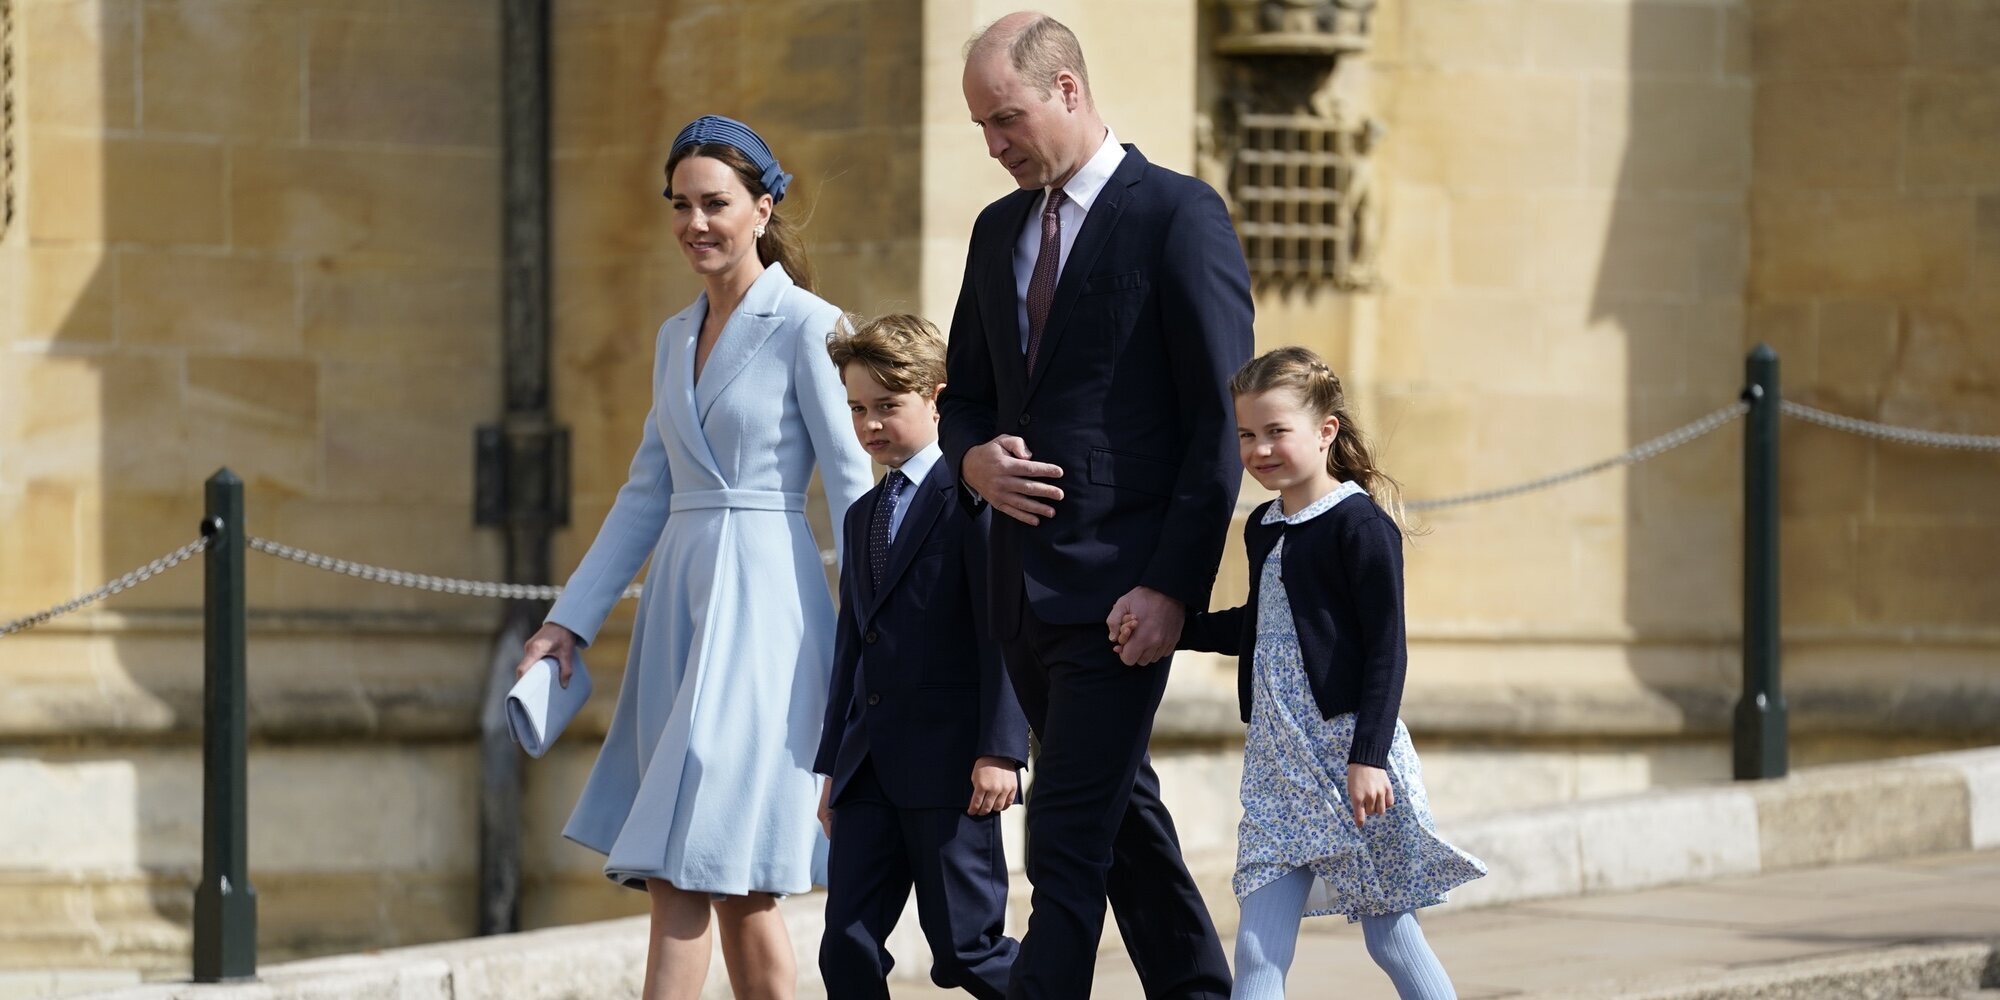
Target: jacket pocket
x: 1098, y: 284
x: 1126, y: 471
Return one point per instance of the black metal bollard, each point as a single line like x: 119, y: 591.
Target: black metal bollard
x: 225, y: 905
x: 1760, y: 748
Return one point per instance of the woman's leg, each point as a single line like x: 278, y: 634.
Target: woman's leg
x: 677, y: 949
x: 1268, y: 935
x: 1397, y: 944
x: 755, y: 947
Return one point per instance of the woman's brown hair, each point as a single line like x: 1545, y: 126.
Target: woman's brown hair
x: 1304, y: 374
x: 781, y: 242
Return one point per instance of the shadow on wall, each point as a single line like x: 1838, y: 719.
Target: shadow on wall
x: 271, y: 235
x: 1670, y: 145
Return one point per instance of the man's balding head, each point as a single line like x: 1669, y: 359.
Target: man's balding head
x: 1036, y: 46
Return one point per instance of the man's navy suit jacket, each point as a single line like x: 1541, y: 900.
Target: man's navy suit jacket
x: 918, y: 689
x: 1152, y: 317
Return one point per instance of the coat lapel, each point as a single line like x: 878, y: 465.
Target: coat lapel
x: 679, y: 337
x: 1097, y: 226
x: 755, y: 320
x: 931, y: 499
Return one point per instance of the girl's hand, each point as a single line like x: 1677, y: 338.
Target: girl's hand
x: 1368, y: 791
x: 994, y: 782
x: 549, y: 640
x: 1124, y: 634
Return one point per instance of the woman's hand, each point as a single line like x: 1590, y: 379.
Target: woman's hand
x: 1368, y: 791
x: 826, y: 807
x: 549, y: 640
x: 994, y: 782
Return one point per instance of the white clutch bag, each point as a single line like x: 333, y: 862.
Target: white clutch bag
x: 539, y: 706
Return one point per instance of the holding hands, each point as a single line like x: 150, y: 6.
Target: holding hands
x: 1144, y: 626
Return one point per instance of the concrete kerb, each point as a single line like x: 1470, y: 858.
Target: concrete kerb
x: 1924, y: 970
x: 1822, y: 816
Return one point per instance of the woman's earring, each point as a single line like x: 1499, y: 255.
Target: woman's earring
x: 758, y: 232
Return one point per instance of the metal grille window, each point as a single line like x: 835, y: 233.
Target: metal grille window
x: 1300, y: 186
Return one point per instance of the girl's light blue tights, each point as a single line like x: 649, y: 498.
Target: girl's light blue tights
x: 1269, y: 934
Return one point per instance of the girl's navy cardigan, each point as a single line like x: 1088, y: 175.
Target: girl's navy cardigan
x: 1343, y: 574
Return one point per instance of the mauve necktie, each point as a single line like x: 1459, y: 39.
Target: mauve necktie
x: 878, y: 529
x: 1042, y: 283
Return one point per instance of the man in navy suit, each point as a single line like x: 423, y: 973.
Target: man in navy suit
x: 923, y: 740
x: 1105, y: 306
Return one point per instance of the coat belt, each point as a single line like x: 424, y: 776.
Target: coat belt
x: 737, y: 500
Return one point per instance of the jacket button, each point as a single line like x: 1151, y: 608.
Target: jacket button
x: 1025, y: 418
x: 874, y: 699
x: 870, y: 637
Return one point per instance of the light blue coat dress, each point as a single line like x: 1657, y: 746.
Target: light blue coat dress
x: 705, y: 779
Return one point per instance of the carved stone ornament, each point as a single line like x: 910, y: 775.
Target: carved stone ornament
x: 1294, y: 27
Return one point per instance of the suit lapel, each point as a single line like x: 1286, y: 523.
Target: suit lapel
x: 1097, y: 226
x: 1000, y: 302
x: 749, y: 327
x: 930, y: 501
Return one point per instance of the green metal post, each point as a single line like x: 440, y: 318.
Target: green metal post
x: 1760, y: 715
x: 225, y: 905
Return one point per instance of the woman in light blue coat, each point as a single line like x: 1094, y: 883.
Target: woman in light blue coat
x: 704, y: 792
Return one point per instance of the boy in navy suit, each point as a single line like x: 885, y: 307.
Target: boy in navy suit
x: 923, y: 741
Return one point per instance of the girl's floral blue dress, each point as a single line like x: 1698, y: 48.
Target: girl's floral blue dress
x: 1295, y: 806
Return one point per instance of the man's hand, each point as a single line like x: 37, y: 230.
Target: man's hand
x: 549, y: 640
x: 826, y: 807
x: 1368, y: 792
x: 994, y: 781
x: 1157, y: 629
x: 1000, y: 472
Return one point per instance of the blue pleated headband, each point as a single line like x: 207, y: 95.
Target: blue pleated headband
x: 740, y: 137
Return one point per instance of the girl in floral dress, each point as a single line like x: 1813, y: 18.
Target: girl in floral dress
x: 1335, y: 819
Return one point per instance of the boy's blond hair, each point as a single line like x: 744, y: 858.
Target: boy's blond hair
x: 904, y: 352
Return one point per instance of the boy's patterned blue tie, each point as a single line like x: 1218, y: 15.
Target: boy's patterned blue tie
x: 878, y: 529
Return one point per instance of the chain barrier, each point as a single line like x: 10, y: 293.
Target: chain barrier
x: 123, y: 583
x: 536, y: 592
x: 1649, y: 449
x: 1890, y: 432
x: 415, y: 581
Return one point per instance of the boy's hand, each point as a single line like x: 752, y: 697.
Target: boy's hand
x: 826, y: 807
x: 1368, y: 791
x: 994, y: 782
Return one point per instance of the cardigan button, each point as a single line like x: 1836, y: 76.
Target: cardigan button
x: 1025, y: 419
x: 870, y: 637
x: 874, y: 699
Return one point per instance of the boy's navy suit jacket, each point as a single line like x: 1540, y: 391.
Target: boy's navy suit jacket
x: 918, y: 687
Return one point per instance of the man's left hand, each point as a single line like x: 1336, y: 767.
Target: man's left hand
x: 1159, y: 625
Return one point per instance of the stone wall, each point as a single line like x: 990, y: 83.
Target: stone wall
x: 258, y: 234
x: 1875, y: 228
x: 264, y: 233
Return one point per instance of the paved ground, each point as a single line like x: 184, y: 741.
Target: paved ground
x: 1661, y: 934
